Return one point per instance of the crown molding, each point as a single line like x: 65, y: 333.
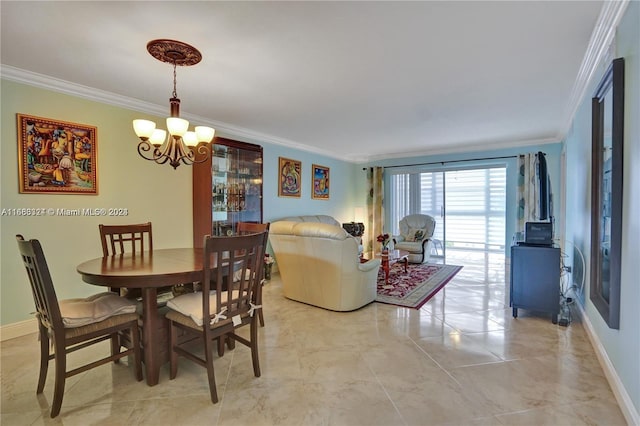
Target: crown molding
x: 73, y: 89
x: 598, y: 50
x: 460, y: 149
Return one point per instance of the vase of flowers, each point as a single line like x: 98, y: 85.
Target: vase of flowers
x: 384, y: 239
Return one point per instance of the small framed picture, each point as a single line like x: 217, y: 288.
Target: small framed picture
x: 56, y: 157
x: 290, y: 173
x: 320, y: 184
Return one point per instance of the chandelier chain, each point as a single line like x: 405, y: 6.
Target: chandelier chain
x: 175, y: 93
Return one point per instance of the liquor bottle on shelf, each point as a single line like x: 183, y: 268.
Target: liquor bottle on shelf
x: 227, y: 188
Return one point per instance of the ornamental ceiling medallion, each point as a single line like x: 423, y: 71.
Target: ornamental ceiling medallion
x: 174, y: 52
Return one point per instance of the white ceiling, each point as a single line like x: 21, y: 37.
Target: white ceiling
x: 354, y: 80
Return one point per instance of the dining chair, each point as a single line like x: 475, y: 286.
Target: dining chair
x: 120, y: 239
x: 213, y: 316
x: 75, y: 324
x: 243, y: 228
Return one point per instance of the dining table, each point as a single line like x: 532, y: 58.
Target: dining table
x: 148, y: 271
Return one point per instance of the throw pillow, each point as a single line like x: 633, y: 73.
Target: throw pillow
x: 414, y: 235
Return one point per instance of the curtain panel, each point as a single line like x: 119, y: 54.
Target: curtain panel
x: 375, y: 206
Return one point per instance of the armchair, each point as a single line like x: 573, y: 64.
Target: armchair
x: 416, y: 233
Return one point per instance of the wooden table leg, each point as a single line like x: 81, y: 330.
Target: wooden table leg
x: 149, y: 335
x: 385, y: 267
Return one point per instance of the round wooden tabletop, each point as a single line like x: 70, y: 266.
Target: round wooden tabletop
x: 159, y: 268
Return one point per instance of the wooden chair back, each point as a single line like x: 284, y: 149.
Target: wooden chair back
x: 237, y: 280
x: 119, y: 239
x: 244, y: 228
x: 44, y: 294
x: 243, y: 258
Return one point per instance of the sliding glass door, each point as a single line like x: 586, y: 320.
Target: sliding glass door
x: 419, y: 193
x: 476, y: 206
x: 432, y: 202
x: 468, y: 205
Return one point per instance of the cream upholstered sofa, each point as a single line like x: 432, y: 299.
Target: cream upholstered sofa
x: 319, y: 263
x: 416, y: 233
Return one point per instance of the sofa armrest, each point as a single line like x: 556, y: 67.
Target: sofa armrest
x: 398, y: 239
x: 369, y: 265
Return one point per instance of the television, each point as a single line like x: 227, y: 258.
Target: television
x: 545, y: 199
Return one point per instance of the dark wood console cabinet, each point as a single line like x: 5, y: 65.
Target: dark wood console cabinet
x: 227, y: 188
x: 535, y: 280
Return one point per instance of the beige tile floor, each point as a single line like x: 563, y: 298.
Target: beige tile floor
x: 460, y: 360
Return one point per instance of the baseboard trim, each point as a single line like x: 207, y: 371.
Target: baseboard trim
x: 18, y: 329
x: 624, y: 400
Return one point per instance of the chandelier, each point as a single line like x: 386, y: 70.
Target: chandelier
x: 175, y: 145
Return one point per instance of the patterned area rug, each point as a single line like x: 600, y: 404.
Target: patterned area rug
x: 415, y: 287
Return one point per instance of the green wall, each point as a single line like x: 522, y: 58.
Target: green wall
x: 123, y: 181
x: 148, y: 191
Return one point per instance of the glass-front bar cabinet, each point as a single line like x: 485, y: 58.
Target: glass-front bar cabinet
x: 227, y: 189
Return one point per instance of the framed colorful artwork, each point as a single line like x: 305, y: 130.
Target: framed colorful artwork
x: 289, y: 171
x: 56, y: 157
x: 320, y: 184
